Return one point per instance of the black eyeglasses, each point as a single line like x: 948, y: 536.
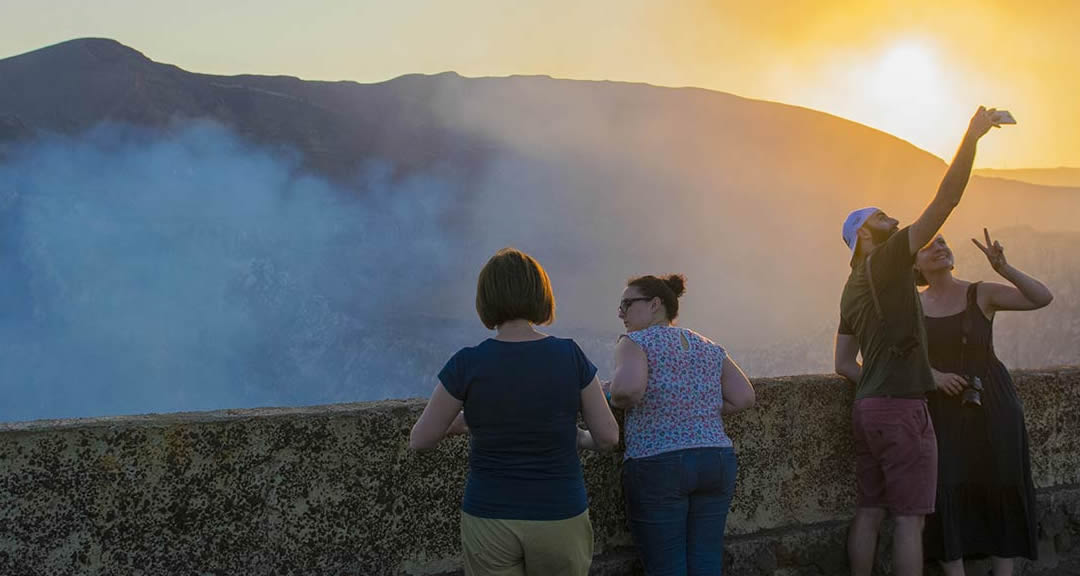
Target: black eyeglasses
x: 625, y: 303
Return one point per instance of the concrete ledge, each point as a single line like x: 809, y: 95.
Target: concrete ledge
x: 334, y: 489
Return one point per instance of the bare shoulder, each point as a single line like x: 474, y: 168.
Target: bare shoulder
x: 984, y: 297
x: 626, y: 344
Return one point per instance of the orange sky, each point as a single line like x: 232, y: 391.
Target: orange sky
x: 914, y: 68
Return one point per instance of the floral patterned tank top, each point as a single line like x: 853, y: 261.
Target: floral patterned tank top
x: 682, y: 401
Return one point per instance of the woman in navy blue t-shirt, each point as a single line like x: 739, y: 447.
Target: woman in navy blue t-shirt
x: 525, y: 509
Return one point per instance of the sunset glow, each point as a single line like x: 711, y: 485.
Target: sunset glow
x: 906, y: 74
x: 914, y: 69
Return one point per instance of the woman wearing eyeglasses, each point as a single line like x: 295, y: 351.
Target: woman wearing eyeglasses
x: 679, y: 473
x: 522, y: 392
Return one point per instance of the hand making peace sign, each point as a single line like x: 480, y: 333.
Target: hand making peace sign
x: 995, y: 253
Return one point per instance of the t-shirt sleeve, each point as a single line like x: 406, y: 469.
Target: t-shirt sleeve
x: 845, y: 328
x: 894, y: 258
x: 585, y: 369
x: 452, y: 376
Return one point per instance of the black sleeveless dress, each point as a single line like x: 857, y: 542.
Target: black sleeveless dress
x: 985, y: 497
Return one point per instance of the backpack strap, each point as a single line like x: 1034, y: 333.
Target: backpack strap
x: 972, y: 303
x: 906, y: 344
x: 873, y: 290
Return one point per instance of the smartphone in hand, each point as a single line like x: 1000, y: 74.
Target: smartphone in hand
x: 1002, y: 117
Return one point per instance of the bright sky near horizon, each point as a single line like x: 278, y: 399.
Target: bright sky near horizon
x: 914, y: 68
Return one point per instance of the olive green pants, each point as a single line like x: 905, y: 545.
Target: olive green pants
x: 527, y: 547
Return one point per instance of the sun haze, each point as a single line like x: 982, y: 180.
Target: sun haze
x: 916, y: 69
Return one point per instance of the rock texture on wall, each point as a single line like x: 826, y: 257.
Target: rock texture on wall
x: 335, y: 490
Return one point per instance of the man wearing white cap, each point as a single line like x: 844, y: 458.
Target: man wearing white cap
x: 880, y: 317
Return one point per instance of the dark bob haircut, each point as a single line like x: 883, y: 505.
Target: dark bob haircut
x: 513, y: 285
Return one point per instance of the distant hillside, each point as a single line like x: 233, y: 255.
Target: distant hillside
x: 1064, y: 177
x: 600, y: 180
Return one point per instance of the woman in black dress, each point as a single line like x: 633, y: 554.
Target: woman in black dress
x: 985, y: 499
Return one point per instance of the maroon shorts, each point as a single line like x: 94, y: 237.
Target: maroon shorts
x: 895, y: 455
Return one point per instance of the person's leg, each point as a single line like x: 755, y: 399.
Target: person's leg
x: 656, y: 505
x: 710, y: 500
x: 907, y: 546
x: 953, y: 568
x: 558, y: 546
x: 862, y: 540
x: 869, y: 491
x: 1002, y: 566
x: 490, y: 548
x: 909, y: 457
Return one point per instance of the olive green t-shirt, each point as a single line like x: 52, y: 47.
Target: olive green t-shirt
x: 895, y: 362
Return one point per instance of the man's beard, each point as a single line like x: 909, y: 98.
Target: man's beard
x: 882, y: 236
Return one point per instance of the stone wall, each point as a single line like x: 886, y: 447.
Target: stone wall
x: 334, y: 489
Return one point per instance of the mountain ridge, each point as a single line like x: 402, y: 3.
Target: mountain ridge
x: 422, y: 177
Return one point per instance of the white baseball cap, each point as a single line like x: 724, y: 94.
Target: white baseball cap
x: 852, y: 223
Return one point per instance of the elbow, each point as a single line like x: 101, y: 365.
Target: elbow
x: 419, y: 443
x: 847, y: 369
x: 627, y: 390
x: 743, y: 402
x: 623, y: 401
x: 843, y: 370
x: 606, y: 441
x: 751, y: 399
x: 418, y: 446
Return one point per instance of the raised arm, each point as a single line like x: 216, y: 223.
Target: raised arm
x: 631, y: 374
x: 952, y: 186
x: 1026, y: 293
x: 736, y: 388
x: 845, y: 358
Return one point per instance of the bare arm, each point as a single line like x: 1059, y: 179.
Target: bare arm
x: 459, y: 426
x: 603, y: 432
x: 441, y: 411
x: 631, y: 374
x: 737, y: 390
x: 846, y: 357
x: 1026, y: 293
x: 952, y: 186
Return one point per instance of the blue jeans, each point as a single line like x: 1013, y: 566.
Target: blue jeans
x: 677, y: 503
